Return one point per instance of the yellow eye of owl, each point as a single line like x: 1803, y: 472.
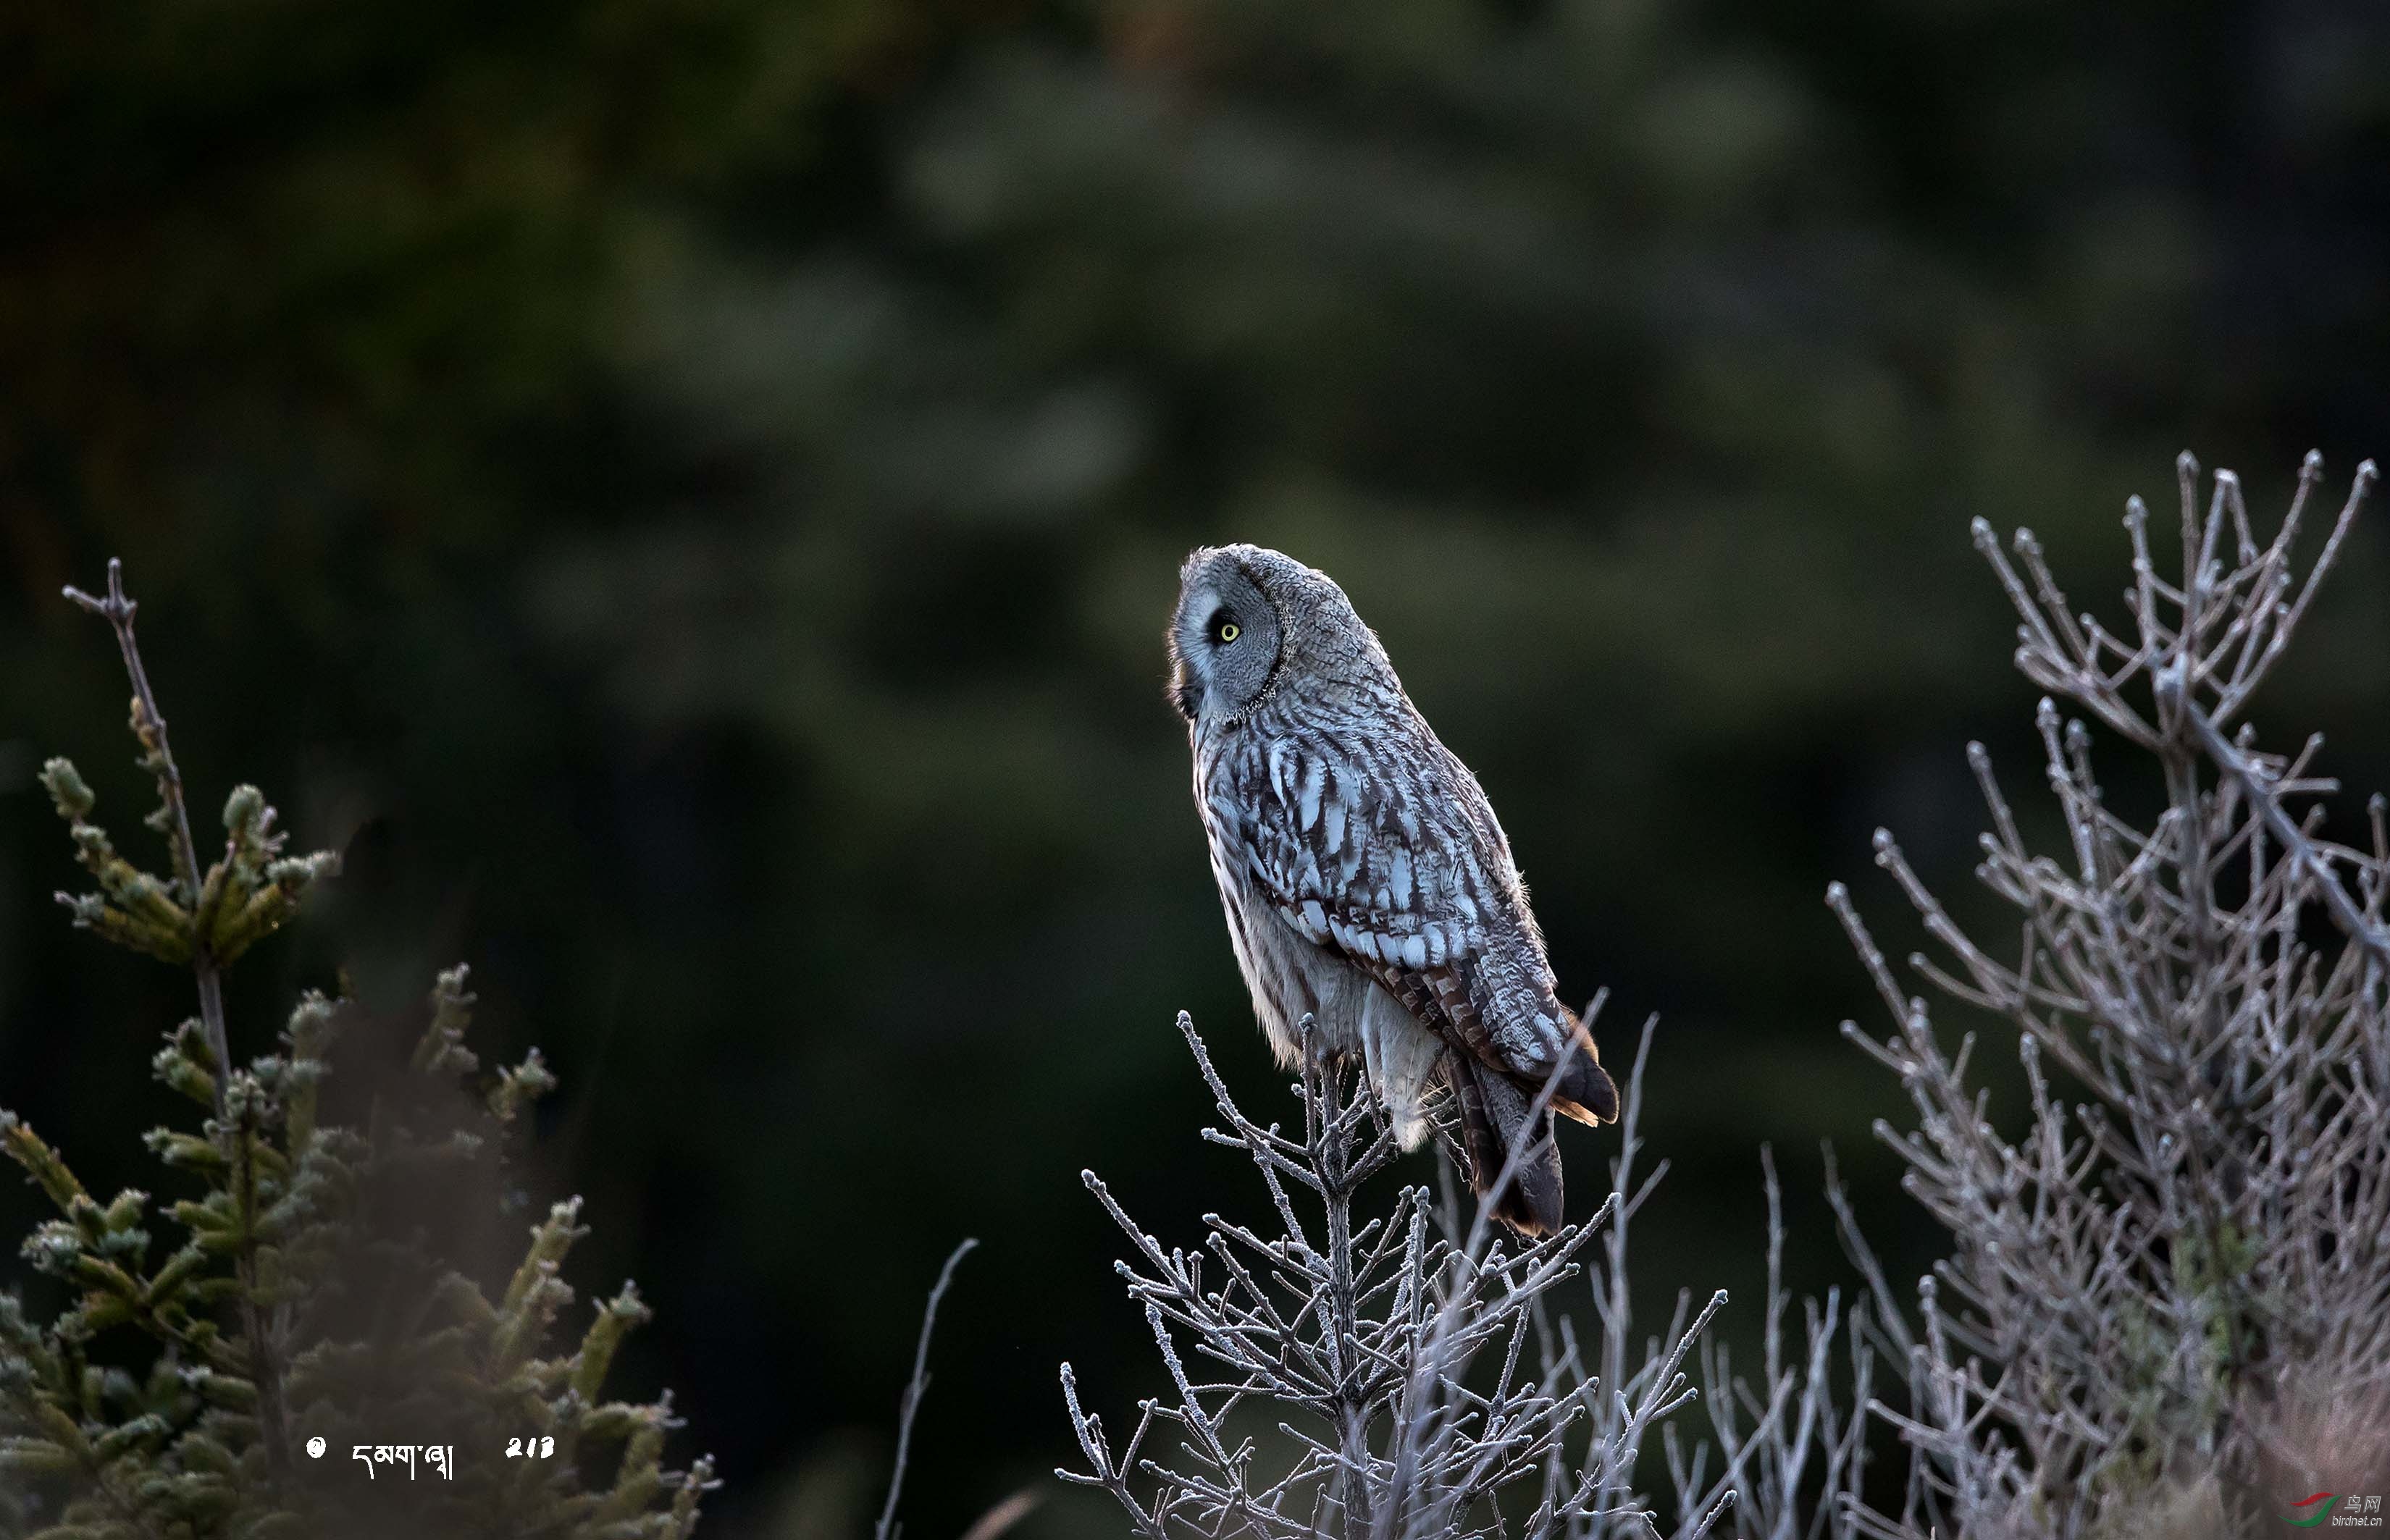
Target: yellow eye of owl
x: 1227, y: 631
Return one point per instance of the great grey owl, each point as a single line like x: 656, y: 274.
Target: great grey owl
x: 1365, y: 880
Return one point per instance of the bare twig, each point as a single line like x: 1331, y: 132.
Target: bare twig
x: 888, y: 1528
x: 1000, y: 1518
x: 2260, y: 791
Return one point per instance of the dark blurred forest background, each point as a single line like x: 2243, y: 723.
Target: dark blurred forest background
x: 686, y: 494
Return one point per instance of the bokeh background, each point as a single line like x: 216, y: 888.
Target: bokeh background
x: 686, y: 493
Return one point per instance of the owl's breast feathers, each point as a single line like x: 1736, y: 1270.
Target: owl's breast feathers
x: 1381, y: 847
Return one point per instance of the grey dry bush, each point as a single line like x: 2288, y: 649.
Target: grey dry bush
x: 1433, y: 1387
x: 2165, y: 1306
x: 2175, y: 1282
x: 297, y: 1292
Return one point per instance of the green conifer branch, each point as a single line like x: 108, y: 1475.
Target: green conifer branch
x: 42, y: 1163
x: 158, y: 922
x: 351, y: 1328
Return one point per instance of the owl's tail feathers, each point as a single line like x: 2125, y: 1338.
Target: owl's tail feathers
x: 1585, y: 1093
x: 1494, y: 1118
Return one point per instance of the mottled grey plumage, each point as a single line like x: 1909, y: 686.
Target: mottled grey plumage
x: 1365, y: 880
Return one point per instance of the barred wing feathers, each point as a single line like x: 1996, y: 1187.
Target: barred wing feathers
x: 1409, y: 876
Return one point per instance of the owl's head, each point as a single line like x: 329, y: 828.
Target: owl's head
x: 1250, y: 618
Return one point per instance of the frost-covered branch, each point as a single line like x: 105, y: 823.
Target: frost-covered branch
x: 2175, y: 1290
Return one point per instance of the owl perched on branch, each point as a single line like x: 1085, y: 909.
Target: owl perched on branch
x: 1367, y: 882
